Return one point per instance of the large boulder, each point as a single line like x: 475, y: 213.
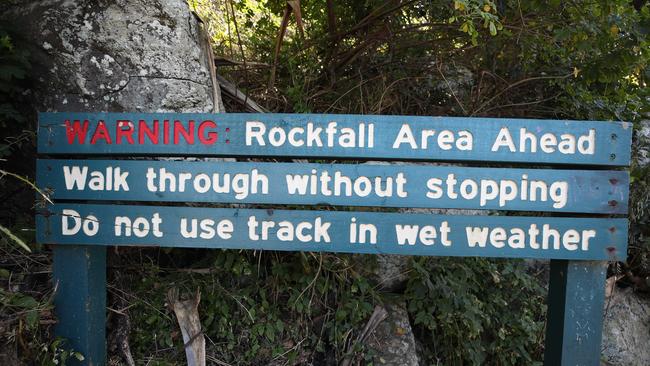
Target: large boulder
x: 626, y: 329
x: 121, y: 55
x: 392, y: 342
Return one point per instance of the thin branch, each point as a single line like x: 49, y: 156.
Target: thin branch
x: 278, y: 43
x: 14, y: 238
x: 320, y: 265
x: 516, y: 84
x: 522, y: 103
x: 241, y: 47
x: 26, y: 181
x: 439, y: 66
x: 347, y: 92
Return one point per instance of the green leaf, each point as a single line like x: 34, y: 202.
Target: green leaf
x: 5, y: 42
x: 14, y: 238
x: 270, y: 332
x: 493, y: 29
x: 10, y: 71
x: 24, y: 301
x: 32, y: 319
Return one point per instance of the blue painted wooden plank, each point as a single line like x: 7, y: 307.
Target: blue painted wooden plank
x: 351, y: 137
x: 79, y: 275
x: 369, y: 185
x: 331, y: 231
x: 575, y: 313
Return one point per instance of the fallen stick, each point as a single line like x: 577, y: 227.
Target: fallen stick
x: 378, y: 315
x: 187, y: 313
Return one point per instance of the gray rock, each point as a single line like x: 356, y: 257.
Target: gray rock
x: 641, y: 144
x: 392, y: 341
x: 456, y: 79
x: 626, y: 329
x: 391, y: 272
x: 122, y: 55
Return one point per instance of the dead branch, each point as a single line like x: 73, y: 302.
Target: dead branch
x: 187, y: 314
x: 378, y: 315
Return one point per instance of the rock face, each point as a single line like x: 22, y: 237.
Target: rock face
x: 121, y: 55
x: 626, y: 329
x: 393, y: 341
x: 641, y: 144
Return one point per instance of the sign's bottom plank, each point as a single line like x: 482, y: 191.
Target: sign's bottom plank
x: 335, y: 231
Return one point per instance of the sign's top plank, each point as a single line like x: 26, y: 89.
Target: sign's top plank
x: 386, y: 185
x: 338, y: 136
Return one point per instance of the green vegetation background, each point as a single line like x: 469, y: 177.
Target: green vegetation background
x: 584, y: 60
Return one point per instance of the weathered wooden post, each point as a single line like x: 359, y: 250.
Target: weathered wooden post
x: 578, y: 247
x: 575, y: 312
x: 79, y: 275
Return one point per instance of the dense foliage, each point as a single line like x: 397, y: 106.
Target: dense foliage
x: 579, y: 59
x: 476, y: 311
x: 256, y: 308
